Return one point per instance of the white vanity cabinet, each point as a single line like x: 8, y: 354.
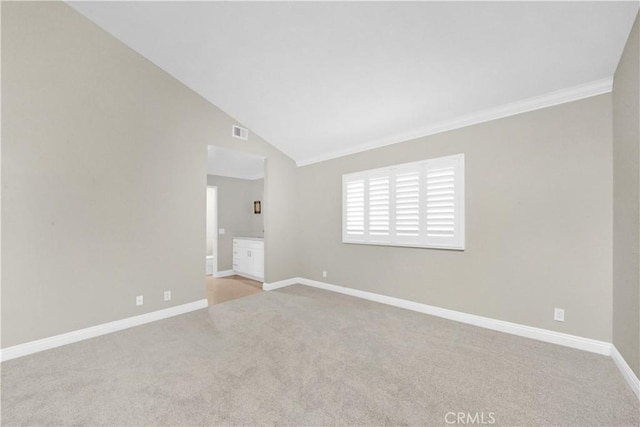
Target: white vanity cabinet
x: 248, y: 257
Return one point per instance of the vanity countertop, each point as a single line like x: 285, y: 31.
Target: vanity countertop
x: 258, y: 239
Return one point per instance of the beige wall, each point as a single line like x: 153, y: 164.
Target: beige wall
x: 626, y: 202
x: 538, y: 222
x: 104, y: 169
x: 103, y: 172
x: 257, y: 193
x: 235, y: 214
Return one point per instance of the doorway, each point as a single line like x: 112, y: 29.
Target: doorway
x: 235, y: 212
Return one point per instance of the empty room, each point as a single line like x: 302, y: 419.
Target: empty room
x: 320, y: 213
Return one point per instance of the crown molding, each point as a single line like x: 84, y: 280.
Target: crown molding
x: 574, y: 93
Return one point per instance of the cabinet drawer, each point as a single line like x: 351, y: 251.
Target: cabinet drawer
x: 249, y: 244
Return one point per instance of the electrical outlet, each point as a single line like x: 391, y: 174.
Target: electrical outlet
x: 324, y: 274
x: 221, y: 231
x: 139, y: 300
x: 558, y: 314
x: 167, y: 295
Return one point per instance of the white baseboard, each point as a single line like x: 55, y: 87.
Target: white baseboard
x: 95, y: 331
x: 539, y: 334
x: 626, y: 371
x: 223, y: 273
x: 281, y: 284
x: 545, y: 335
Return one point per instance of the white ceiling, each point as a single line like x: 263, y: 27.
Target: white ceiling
x: 234, y: 164
x: 323, y: 79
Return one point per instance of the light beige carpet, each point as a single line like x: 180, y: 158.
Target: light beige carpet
x: 302, y: 356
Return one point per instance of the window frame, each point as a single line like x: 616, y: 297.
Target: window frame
x: 423, y: 239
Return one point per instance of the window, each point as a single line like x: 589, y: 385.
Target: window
x: 415, y: 204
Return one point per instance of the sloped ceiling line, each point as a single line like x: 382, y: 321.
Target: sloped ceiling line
x: 320, y: 80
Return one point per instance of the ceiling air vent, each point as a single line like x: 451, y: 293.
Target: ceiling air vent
x: 239, y: 132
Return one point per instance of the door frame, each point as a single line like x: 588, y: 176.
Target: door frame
x: 212, y: 191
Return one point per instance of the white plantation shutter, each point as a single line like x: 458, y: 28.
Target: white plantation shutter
x: 379, y: 205
x: 353, y: 207
x: 416, y: 204
x: 407, y: 204
x: 444, y: 204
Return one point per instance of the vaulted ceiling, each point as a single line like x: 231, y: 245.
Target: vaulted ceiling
x: 323, y: 79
